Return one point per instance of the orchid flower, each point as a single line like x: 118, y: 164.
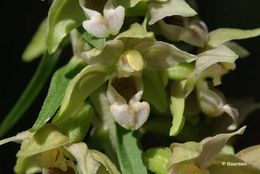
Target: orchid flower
x: 131, y: 52
x: 49, y: 151
x: 211, y: 155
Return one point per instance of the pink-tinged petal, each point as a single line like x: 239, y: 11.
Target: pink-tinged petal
x: 114, y: 17
x: 131, y: 116
x: 96, y: 26
x: 123, y: 115
x: 142, y: 111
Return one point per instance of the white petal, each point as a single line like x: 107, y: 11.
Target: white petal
x: 96, y: 26
x: 123, y: 115
x: 142, y: 111
x: 131, y: 117
x: 115, y: 18
x: 136, y: 98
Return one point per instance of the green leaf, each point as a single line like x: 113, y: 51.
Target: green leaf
x: 47, y: 138
x: 34, y: 87
x: 181, y: 71
x: 213, y: 56
x: 80, y: 87
x: 155, y: 95
x: 55, y: 94
x: 251, y: 155
x: 76, y: 125
x: 222, y: 35
x: 177, y: 107
x: 63, y: 16
x: 156, y: 159
x: 98, y: 43
x: 128, y: 153
x: 160, y: 10
x: 37, y: 45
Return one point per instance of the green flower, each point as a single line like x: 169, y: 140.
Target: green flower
x: 49, y: 151
x: 211, y: 155
x: 130, y: 53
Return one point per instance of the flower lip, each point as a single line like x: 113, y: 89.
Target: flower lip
x: 125, y: 86
x: 97, y: 5
x: 174, y: 20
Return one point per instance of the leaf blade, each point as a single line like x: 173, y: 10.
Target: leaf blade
x: 55, y: 95
x: 128, y: 153
x: 34, y: 87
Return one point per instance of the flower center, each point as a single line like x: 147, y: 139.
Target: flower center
x: 125, y: 87
x: 134, y: 60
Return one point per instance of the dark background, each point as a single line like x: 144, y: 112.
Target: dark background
x: 19, y: 20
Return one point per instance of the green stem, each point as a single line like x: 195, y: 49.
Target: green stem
x: 34, y: 87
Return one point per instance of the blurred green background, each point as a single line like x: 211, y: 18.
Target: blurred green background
x: 19, y: 20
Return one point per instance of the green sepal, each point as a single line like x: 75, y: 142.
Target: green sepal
x: 80, y: 87
x: 177, y: 107
x: 223, y: 162
x: 160, y: 10
x: 251, y: 155
x: 180, y: 71
x: 28, y: 165
x: 63, y: 17
x: 37, y: 45
x: 222, y: 35
x: 154, y: 91
x: 47, y: 138
x: 77, y: 125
